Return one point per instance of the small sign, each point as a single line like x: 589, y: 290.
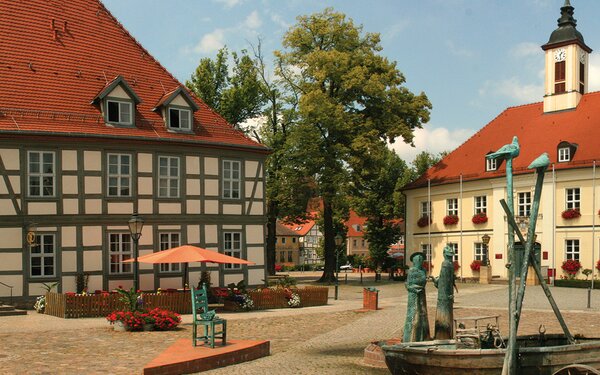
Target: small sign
x: 499, y: 256
x: 31, y: 237
x: 544, y: 255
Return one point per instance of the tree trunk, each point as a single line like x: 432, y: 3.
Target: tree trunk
x: 271, y: 237
x: 329, y: 243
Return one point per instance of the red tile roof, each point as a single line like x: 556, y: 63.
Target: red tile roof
x: 56, y: 56
x: 538, y: 132
x: 282, y: 230
x: 301, y: 229
x: 353, y: 222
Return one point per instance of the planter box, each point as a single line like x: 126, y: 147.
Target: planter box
x: 97, y: 305
x: 576, y: 283
x: 276, y: 298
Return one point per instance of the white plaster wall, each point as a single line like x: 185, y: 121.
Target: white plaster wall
x: 147, y: 235
x: 125, y: 283
x: 93, y: 206
x: 192, y: 165
x: 145, y: 185
x: 69, y: 261
x: 10, y: 158
x: 232, y: 209
x: 192, y: 186
x: 69, y: 160
x: 256, y: 254
x: 69, y: 236
x: 12, y: 238
x: 169, y: 208
x: 95, y: 283
x: 255, y: 234
x: 145, y: 206
x: 92, y: 160
x: 211, y: 207
x: 68, y: 284
x: 11, y: 262
x: 92, y: 236
x: 211, y: 187
x: 257, y: 208
x: 15, y: 182
x: 118, y: 92
x: 193, y: 207
x: 145, y: 163
x: 36, y: 289
x: 250, y: 168
x: 256, y: 277
x: 235, y: 278
x: 193, y: 234
x: 92, y: 260
x: 120, y: 208
x: 42, y: 208
x: 211, y: 166
x: 170, y: 282
x: 7, y: 207
x: 211, y: 234
x: 147, y: 282
x: 180, y: 101
x: 69, y: 184
x: 93, y: 184
x: 3, y: 188
x: 70, y: 206
x: 16, y: 281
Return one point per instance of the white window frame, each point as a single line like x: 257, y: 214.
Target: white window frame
x: 182, y: 112
x: 168, y: 179
x: 455, y: 247
x: 120, y: 246
x: 564, y: 154
x: 38, y: 251
x: 572, y: 249
x: 169, y: 240
x: 426, y: 249
x: 425, y: 207
x: 479, y: 251
x: 41, y: 175
x: 230, y: 182
x: 230, y: 240
x: 119, y: 175
x: 491, y: 164
x: 524, y: 203
x: 573, y: 198
x: 480, y: 204
x: 452, y: 207
x: 283, y: 240
x: 121, y: 103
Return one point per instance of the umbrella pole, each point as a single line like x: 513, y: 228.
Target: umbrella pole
x: 185, y: 275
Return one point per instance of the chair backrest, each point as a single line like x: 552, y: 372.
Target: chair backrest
x: 199, y: 300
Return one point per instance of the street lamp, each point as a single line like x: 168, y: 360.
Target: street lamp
x: 486, y: 240
x: 338, y: 242
x: 135, y: 228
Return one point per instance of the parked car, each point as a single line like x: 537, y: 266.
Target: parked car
x: 346, y: 267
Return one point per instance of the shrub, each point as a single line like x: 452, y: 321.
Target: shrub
x: 132, y: 299
x: 476, y: 265
x: 451, y: 220
x: 571, y: 213
x: 587, y: 272
x: 480, y: 218
x: 571, y: 267
x: 424, y: 221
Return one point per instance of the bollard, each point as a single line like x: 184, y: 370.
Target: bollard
x: 370, y: 299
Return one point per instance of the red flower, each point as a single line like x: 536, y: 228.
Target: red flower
x: 571, y: 213
x: 476, y: 265
x: 480, y: 218
x: 456, y: 265
x: 427, y: 266
x: 451, y: 220
x: 424, y: 221
x: 571, y: 267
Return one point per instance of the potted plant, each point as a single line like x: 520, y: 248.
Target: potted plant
x: 424, y: 221
x: 148, y: 320
x: 480, y: 218
x: 571, y: 267
x: 124, y: 321
x: 451, y: 220
x: 40, y: 302
x: 571, y: 213
x: 165, y: 320
x: 476, y: 265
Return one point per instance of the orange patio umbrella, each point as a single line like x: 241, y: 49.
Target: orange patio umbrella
x: 186, y: 254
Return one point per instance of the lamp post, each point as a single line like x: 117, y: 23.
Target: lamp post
x: 135, y: 228
x: 338, y: 243
x: 486, y: 240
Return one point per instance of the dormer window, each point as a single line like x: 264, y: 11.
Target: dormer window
x: 180, y: 119
x: 564, y: 154
x: 491, y: 164
x: 177, y: 108
x: 118, y: 112
x: 566, y: 151
x: 117, y: 101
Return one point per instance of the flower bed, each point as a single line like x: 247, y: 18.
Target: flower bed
x: 70, y: 305
x: 158, y: 319
x: 277, y: 298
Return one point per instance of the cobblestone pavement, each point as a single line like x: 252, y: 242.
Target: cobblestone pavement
x: 324, y: 340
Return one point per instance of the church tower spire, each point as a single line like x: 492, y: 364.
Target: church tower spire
x: 566, y: 64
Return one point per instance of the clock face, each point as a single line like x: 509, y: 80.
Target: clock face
x: 582, y: 57
x: 560, y: 55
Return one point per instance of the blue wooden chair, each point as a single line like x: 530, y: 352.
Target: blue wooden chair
x: 207, y: 319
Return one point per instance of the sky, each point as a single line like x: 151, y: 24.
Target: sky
x: 473, y: 58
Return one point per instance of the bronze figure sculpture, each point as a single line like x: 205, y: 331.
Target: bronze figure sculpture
x: 416, y: 326
x: 444, y: 316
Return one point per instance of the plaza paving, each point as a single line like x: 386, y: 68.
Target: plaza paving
x: 325, y: 340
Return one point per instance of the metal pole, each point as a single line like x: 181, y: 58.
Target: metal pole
x: 136, y: 272
x: 460, y: 252
x: 593, y: 228
x: 337, y: 272
x: 429, y: 216
x: 510, y: 360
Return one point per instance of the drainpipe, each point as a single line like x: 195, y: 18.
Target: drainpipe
x: 553, y: 224
x: 593, y: 224
x: 430, y: 206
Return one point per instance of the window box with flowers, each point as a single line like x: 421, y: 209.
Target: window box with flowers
x: 427, y: 266
x: 456, y: 266
x: 571, y: 267
x: 424, y: 221
x: 451, y: 220
x: 480, y: 218
x: 571, y: 213
x: 476, y: 265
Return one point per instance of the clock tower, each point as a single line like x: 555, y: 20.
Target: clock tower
x: 567, y: 58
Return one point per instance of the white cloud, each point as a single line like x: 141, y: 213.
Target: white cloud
x: 253, y: 21
x: 278, y: 20
x: 229, y: 3
x: 513, y: 89
x: 393, y: 31
x: 526, y: 49
x: 458, y: 50
x: 434, y: 140
x: 211, y: 42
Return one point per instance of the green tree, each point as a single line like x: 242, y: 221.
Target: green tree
x: 377, y: 196
x: 352, y: 101
x: 238, y: 96
x: 425, y: 160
